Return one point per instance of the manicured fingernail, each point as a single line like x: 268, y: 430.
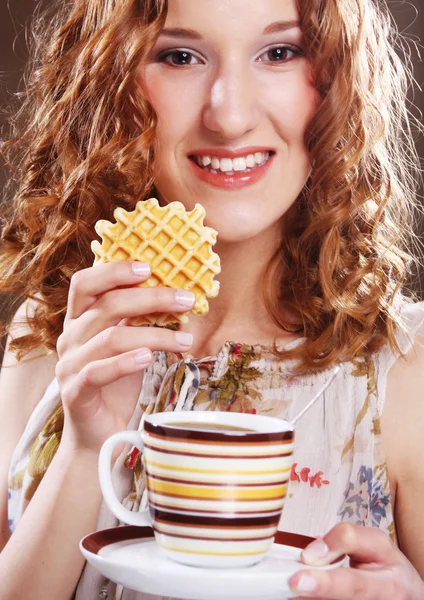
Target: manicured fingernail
x: 143, y: 357
x: 184, y: 339
x: 305, y: 584
x: 315, y: 551
x: 185, y: 298
x: 141, y: 269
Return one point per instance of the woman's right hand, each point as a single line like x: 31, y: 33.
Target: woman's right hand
x: 97, y: 348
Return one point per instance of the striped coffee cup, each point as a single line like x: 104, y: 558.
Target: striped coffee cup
x: 216, y: 484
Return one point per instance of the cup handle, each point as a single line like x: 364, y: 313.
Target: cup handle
x: 141, y: 519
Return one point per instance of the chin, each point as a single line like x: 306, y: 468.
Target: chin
x: 241, y: 227
x: 236, y: 219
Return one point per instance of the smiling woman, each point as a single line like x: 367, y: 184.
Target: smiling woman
x: 239, y: 81
x: 232, y: 76
x: 287, y: 121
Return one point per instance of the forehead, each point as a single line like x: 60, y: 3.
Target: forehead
x: 246, y: 16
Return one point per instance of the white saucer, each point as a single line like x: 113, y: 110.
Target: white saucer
x: 131, y: 557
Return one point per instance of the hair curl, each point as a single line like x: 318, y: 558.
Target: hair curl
x: 84, y: 143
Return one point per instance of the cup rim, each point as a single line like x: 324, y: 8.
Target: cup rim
x: 259, y: 427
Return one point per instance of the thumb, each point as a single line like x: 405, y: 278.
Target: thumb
x: 362, y: 544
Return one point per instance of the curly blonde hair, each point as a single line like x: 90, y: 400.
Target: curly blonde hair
x: 84, y: 143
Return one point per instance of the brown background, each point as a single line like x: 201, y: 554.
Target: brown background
x: 15, y: 24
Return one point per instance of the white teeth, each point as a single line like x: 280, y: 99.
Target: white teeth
x: 239, y: 164
x: 250, y: 161
x: 228, y: 165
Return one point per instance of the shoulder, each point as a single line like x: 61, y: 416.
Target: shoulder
x: 19, y: 325
x: 24, y: 382
x: 405, y: 384
x: 405, y: 378
x: 403, y: 413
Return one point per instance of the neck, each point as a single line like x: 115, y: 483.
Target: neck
x: 239, y: 312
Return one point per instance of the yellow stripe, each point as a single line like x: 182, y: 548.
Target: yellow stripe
x: 214, y: 472
x: 212, y: 553
x: 221, y: 493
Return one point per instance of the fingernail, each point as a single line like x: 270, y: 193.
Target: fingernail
x: 184, y: 339
x: 143, y: 357
x: 185, y: 298
x: 316, y: 550
x: 306, y: 584
x: 141, y: 269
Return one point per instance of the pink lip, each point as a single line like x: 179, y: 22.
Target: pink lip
x: 236, y: 181
x: 230, y: 153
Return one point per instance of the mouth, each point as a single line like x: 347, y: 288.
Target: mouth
x: 233, y: 172
x: 240, y: 165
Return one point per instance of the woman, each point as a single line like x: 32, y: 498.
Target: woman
x: 287, y: 121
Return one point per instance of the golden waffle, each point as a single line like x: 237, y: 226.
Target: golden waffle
x: 176, y: 245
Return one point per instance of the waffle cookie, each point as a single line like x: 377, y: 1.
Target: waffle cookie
x: 176, y: 245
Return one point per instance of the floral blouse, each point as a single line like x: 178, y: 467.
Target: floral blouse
x: 339, y: 471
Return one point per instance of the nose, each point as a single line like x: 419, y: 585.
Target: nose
x: 232, y: 109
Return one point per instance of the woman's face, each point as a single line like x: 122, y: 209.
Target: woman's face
x: 233, y: 94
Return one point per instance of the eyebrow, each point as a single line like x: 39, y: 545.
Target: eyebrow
x: 180, y: 32
x: 280, y: 26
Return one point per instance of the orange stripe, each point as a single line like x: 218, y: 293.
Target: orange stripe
x: 228, y: 493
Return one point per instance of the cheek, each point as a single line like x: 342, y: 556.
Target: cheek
x: 292, y: 106
x: 174, y: 104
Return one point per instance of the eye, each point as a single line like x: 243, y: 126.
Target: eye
x: 280, y: 54
x: 178, y: 58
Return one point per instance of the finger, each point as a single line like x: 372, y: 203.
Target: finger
x: 133, y: 302
x: 120, y: 340
x: 87, y: 284
x: 344, y: 584
x: 83, y: 387
x: 114, y: 306
x: 362, y: 544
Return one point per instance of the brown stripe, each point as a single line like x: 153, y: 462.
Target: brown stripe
x: 146, y: 445
x: 223, y: 437
x: 99, y: 539
x: 292, y: 539
x: 173, y: 507
x: 172, y: 518
x: 212, y: 484
x: 213, y: 539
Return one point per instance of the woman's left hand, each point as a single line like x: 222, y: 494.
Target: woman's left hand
x: 378, y: 570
